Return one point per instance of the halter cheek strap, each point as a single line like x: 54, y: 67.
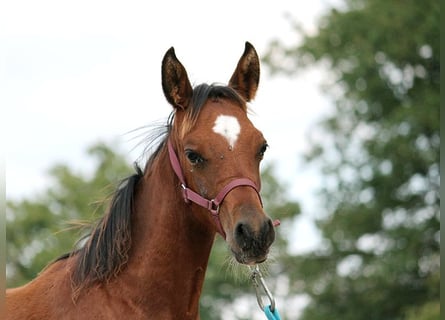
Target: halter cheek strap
x: 213, y: 204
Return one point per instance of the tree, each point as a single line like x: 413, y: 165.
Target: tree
x: 379, y: 157
x: 38, y: 229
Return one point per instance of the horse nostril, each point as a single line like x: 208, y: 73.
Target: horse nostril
x: 243, y: 236
x: 248, y: 239
x: 268, y: 233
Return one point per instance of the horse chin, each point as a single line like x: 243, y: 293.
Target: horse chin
x: 244, y: 258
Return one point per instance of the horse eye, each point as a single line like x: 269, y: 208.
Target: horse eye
x: 263, y: 150
x: 193, y: 157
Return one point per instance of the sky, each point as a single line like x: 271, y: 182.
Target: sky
x: 73, y: 73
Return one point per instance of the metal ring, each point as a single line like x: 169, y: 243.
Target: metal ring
x: 261, y: 287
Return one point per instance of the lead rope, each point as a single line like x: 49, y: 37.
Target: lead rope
x: 260, y: 286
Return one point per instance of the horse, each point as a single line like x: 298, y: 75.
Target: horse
x: 147, y: 256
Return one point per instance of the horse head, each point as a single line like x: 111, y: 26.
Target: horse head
x: 216, y: 152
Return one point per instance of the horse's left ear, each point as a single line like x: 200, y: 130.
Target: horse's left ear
x: 175, y: 82
x: 246, y: 77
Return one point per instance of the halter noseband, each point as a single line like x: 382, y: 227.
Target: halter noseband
x: 213, y: 204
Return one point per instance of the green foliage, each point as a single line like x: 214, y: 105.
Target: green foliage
x: 380, y: 160
x: 428, y: 311
x: 39, y: 230
x: 34, y: 236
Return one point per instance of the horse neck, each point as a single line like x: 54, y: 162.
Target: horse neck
x: 170, y: 248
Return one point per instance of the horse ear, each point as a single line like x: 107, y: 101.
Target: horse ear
x: 246, y: 77
x: 175, y: 82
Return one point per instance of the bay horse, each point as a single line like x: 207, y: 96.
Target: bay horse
x: 147, y: 256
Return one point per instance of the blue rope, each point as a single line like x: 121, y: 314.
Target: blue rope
x: 271, y: 315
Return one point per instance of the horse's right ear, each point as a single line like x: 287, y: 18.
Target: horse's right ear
x: 175, y: 82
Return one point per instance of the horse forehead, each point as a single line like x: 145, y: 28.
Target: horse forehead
x: 226, y: 122
x: 228, y: 127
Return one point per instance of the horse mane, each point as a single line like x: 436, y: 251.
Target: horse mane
x: 105, y: 252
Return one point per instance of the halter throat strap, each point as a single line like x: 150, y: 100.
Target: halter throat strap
x: 213, y: 204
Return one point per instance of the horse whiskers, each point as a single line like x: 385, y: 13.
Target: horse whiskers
x: 241, y: 272
x: 235, y: 269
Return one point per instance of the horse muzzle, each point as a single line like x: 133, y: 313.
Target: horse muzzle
x: 249, y: 244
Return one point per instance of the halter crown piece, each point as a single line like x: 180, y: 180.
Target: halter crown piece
x: 213, y: 204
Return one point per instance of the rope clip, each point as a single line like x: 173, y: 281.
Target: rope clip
x: 261, y: 288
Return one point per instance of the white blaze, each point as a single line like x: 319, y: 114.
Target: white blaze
x: 228, y: 127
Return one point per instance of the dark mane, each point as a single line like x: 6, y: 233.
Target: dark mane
x: 203, y: 92
x: 105, y: 252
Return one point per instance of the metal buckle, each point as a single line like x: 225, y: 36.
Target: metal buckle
x: 213, y: 207
x: 184, y: 193
x: 261, y: 288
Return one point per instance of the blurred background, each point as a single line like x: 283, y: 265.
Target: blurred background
x: 349, y: 103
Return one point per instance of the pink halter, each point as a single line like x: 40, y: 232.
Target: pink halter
x: 213, y: 204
